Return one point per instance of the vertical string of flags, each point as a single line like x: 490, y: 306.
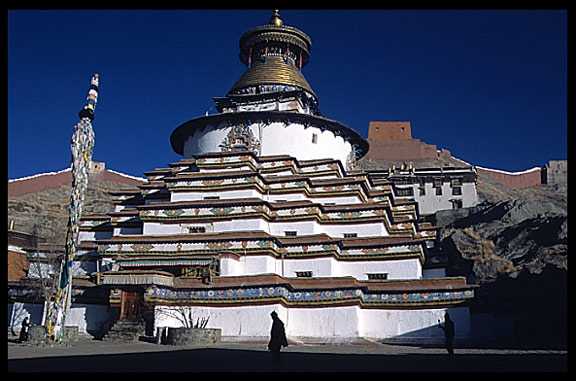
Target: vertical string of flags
x: 81, y: 147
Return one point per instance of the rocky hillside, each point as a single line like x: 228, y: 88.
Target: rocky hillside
x: 48, y: 208
x: 510, y: 232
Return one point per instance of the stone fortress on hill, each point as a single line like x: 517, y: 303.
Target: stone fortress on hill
x: 267, y: 211
x: 393, y: 142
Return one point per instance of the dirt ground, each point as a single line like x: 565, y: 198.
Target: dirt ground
x: 99, y: 356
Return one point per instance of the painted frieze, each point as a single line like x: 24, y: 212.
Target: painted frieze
x: 290, y: 296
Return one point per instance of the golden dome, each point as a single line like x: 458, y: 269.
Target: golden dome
x: 274, y: 71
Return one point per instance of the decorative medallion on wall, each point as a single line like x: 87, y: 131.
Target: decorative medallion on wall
x: 240, y: 138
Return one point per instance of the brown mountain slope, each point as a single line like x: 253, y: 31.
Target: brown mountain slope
x: 48, y: 207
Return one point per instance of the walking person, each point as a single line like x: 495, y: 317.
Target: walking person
x: 448, y: 328
x: 277, y: 337
x: 24, y: 330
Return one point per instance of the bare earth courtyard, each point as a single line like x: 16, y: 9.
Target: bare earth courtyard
x: 99, y: 356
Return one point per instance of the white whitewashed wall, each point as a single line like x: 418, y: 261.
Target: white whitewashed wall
x: 275, y: 139
x: 329, y: 324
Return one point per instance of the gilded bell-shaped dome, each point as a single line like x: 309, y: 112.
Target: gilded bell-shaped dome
x: 275, y: 55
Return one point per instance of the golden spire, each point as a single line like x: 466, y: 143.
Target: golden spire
x: 275, y: 19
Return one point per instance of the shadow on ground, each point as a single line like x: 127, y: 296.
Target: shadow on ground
x: 230, y: 360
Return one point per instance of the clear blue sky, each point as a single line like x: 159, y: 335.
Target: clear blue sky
x: 490, y: 86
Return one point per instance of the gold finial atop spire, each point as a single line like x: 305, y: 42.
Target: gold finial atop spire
x: 275, y: 19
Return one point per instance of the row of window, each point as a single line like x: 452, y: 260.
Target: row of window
x: 373, y: 276
x: 287, y: 233
x: 456, y: 191
x: 436, y: 182
x: 294, y: 233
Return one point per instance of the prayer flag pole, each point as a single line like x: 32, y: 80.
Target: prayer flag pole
x: 81, y: 148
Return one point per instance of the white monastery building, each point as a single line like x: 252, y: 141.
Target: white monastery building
x: 266, y: 212
x: 433, y: 188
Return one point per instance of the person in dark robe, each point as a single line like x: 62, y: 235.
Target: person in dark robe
x: 24, y: 330
x: 448, y: 328
x: 277, y: 337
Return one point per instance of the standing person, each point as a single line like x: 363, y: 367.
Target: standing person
x: 24, y: 330
x: 277, y: 337
x: 448, y: 328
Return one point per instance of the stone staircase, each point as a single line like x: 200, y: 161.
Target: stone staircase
x: 126, y: 330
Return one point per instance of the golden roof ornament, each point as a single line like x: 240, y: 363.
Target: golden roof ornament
x: 276, y: 19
